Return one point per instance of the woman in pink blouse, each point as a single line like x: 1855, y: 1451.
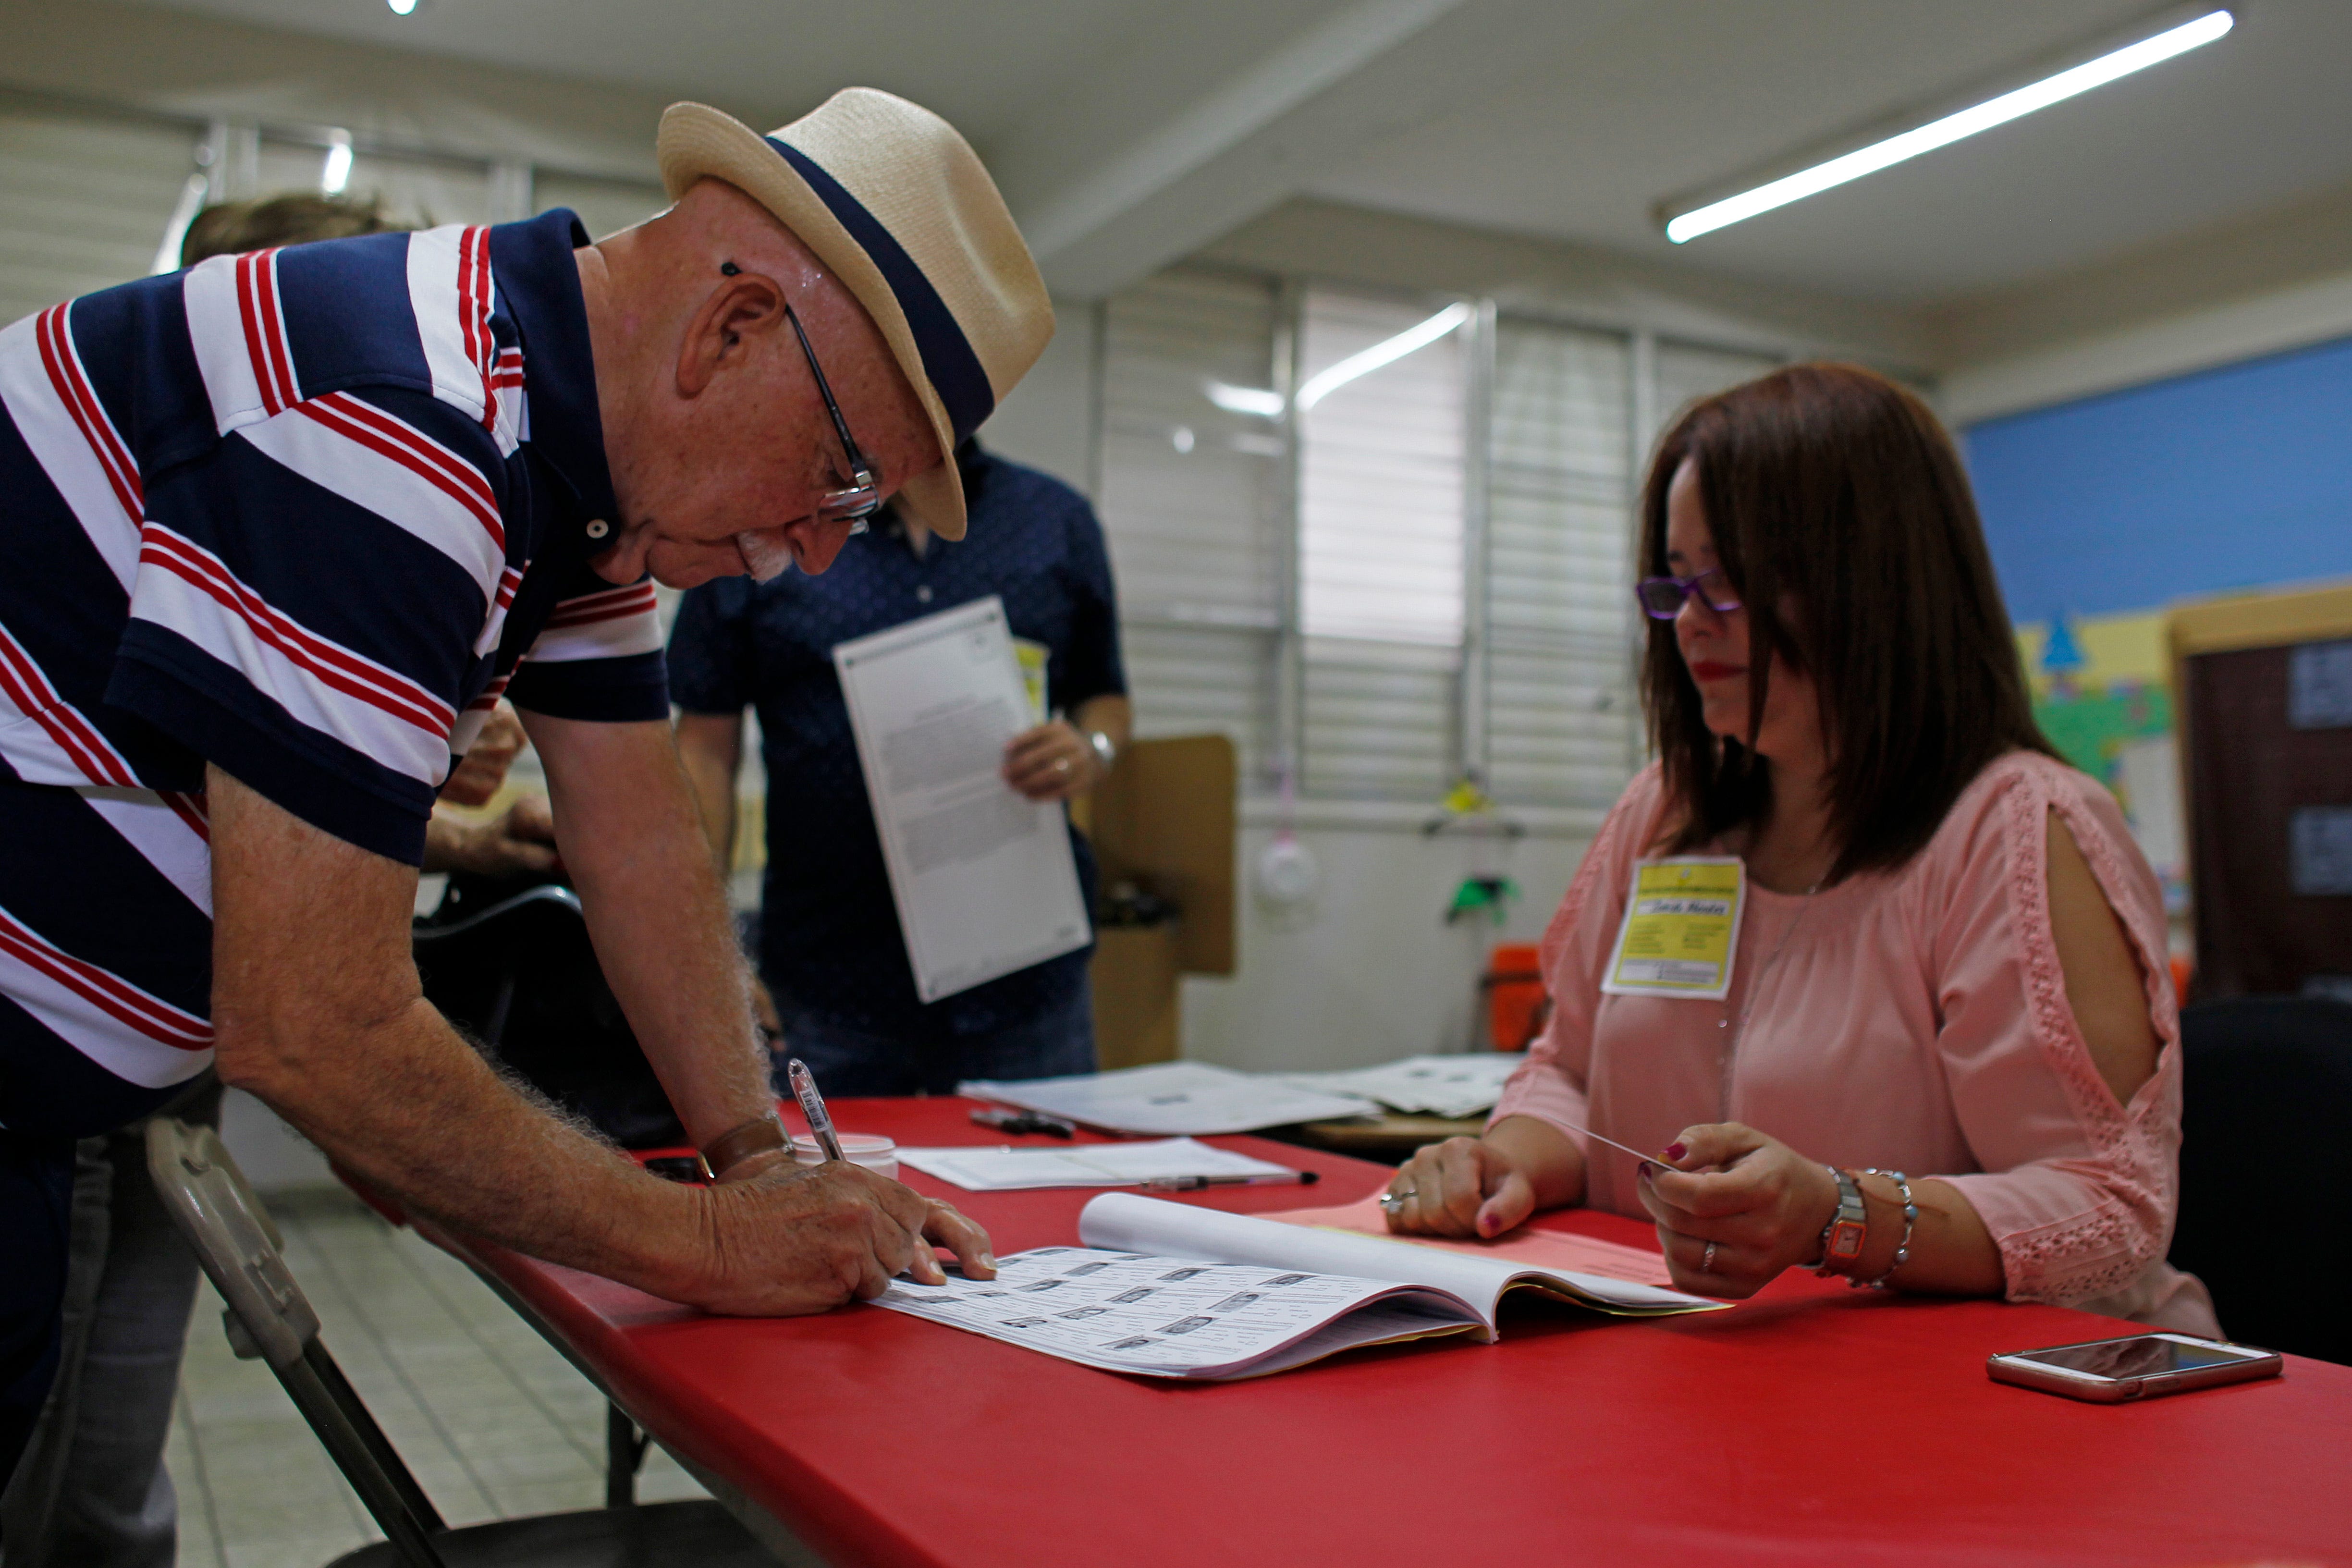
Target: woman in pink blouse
x: 1947, y: 1058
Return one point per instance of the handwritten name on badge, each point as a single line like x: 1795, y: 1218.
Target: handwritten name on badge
x: 1681, y: 929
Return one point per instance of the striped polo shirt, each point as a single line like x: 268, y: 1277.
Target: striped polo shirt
x: 305, y: 514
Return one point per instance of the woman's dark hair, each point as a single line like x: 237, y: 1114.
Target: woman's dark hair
x: 1842, y: 515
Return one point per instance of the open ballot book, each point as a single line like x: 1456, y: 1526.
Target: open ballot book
x: 1166, y: 1289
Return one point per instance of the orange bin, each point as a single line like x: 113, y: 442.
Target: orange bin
x: 1514, y: 995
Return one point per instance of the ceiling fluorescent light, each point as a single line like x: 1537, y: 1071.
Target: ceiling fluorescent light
x: 1951, y: 128
x: 1323, y: 383
x: 336, y: 172
x: 1257, y: 400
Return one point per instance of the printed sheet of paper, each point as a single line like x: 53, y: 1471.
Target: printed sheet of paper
x: 1169, y: 1317
x: 984, y: 878
x: 1082, y: 1164
x: 1556, y: 1250
x: 1171, y: 1098
x: 1432, y: 1086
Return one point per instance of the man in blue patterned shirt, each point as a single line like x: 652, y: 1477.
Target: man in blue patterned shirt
x: 831, y: 953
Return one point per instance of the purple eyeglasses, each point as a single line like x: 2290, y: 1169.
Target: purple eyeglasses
x: 1662, y: 598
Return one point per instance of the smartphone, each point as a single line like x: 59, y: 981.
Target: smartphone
x: 2109, y: 1372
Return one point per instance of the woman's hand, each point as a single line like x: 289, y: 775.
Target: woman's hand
x: 1052, y: 761
x: 1464, y: 1186
x: 1734, y: 1207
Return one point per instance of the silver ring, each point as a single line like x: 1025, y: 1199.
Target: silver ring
x: 1395, y: 1201
x: 1706, y: 1259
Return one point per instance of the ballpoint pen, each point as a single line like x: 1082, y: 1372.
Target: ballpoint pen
x: 1194, y: 1184
x: 796, y: 1073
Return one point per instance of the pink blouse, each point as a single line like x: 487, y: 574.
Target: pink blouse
x: 1914, y: 1020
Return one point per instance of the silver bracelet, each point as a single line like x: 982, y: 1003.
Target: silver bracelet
x: 1902, y: 1248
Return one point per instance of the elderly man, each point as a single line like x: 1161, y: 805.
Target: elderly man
x: 285, y: 525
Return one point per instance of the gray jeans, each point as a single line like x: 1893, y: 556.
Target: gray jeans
x: 91, y: 1490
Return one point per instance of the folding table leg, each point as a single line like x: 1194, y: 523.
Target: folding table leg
x: 625, y: 1450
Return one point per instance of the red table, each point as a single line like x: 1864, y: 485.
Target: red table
x: 1814, y: 1424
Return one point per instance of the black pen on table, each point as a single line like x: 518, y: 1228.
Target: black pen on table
x: 820, y: 1120
x: 1195, y: 1184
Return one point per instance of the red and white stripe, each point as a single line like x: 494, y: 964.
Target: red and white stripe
x: 452, y: 292
x: 49, y: 400
x: 61, y: 745
x: 383, y: 463
x: 610, y: 625
x: 494, y: 625
x: 376, y: 711
x: 264, y: 326
x: 127, y: 1031
x: 468, y: 728
x: 213, y: 293
x: 168, y: 831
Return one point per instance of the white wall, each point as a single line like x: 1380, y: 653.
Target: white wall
x: 1048, y: 421
x: 1376, y: 974
x: 189, y: 64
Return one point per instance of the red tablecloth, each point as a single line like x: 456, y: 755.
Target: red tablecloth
x: 1814, y: 1424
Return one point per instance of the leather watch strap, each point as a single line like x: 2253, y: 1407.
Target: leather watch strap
x: 737, y: 1144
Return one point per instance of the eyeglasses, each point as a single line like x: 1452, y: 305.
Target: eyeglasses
x: 863, y: 497
x: 1662, y: 598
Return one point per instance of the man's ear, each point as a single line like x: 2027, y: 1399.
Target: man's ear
x: 725, y: 329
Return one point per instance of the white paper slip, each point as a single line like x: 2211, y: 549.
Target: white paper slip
x: 1165, y: 1290
x: 1171, y: 1098
x: 984, y: 878
x: 1432, y: 1086
x: 996, y: 1170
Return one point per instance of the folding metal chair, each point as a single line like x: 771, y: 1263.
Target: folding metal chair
x: 270, y: 1319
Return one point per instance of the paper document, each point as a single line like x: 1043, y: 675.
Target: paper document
x: 1082, y: 1164
x: 1171, y: 1098
x: 1432, y: 1086
x: 1166, y: 1289
x: 1557, y: 1251
x: 984, y: 878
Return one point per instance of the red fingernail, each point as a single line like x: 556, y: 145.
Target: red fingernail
x: 1676, y: 1151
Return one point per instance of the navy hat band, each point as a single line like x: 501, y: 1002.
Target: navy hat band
x: 954, y: 370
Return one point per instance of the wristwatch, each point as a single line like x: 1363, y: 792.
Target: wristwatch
x: 1105, y: 749
x: 1843, y: 1237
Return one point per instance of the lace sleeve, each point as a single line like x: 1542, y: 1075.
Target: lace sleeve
x: 2079, y: 1191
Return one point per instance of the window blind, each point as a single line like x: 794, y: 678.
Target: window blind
x: 1562, y: 721
x: 1382, y: 488
x: 84, y: 202
x: 1689, y: 372
x: 1193, y: 503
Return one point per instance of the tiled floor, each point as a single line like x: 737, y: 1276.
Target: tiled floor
x: 491, y: 1419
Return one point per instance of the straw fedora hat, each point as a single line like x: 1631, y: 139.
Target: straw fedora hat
x: 896, y: 203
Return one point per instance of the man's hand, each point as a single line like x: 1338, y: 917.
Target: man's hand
x: 519, y: 841
x: 1052, y: 761
x: 794, y: 1239
x: 478, y: 775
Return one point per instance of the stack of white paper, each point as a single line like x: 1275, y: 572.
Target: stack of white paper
x: 1430, y: 1086
x: 995, y: 1170
x: 1172, y: 1098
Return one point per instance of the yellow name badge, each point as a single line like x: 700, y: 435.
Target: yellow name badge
x: 1682, y: 927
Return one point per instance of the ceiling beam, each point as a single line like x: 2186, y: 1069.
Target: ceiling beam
x: 1107, y: 189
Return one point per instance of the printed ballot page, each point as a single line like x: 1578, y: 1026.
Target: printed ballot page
x: 1083, y: 1165
x: 1127, y: 1222
x: 984, y: 878
x: 1173, y: 1317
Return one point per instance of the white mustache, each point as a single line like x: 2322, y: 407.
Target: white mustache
x: 767, y: 557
